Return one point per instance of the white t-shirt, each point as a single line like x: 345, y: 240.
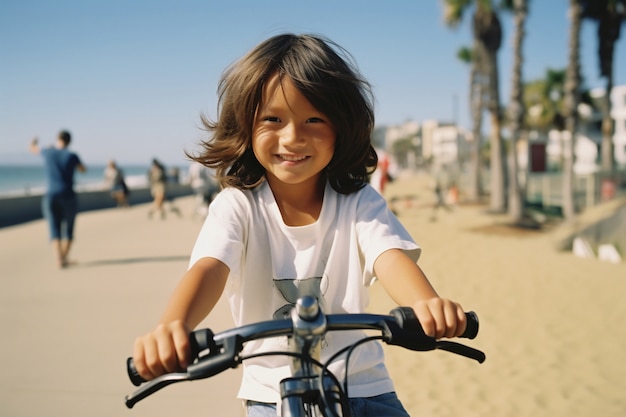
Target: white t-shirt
x: 272, y: 264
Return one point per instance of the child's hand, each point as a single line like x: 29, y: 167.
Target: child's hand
x: 440, y: 317
x: 166, y: 349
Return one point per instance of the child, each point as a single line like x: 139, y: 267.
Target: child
x: 296, y: 217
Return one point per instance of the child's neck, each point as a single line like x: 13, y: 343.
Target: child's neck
x: 299, y: 205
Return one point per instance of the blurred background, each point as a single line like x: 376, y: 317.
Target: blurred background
x: 130, y: 79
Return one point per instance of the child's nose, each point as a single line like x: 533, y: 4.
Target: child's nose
x: 291, y: 134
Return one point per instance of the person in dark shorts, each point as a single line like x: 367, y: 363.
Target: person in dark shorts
x: 60, y: 203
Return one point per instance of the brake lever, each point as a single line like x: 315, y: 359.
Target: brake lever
x: 223, y: 355
x: 407, y: 332
x: 226, y: 356
x: 462, y: 350
x: 150, y: 387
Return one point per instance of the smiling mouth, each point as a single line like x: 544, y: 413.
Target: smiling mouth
x: 289, y: 158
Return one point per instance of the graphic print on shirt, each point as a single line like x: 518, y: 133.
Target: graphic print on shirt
x: 292, y: 289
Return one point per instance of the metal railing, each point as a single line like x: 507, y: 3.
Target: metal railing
x: 546, y: 189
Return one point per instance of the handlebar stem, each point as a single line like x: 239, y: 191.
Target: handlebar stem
x: 309, y: 326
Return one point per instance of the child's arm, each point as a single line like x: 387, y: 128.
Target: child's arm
x: 407, y: 285
x: 166, y: 348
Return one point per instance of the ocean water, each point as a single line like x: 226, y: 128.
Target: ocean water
x: 22, y: 180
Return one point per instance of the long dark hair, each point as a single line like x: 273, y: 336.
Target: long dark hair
x: 325, y: 74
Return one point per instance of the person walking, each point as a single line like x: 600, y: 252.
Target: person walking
x: 204, y: 187
x: 60, y: 203
x: 158, y: 181
x: 441, y: 188
x: 157, y: 176
x: 114, y: 177
x: 380, y: 177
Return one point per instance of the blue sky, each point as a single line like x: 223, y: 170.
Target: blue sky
x: 130, y: 78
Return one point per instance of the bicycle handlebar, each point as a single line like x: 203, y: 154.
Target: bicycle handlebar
x: 215, y: 353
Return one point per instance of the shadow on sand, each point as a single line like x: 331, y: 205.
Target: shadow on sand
x: 127, y: 261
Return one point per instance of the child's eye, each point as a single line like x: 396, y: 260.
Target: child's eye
x: 315, y: 120
x: 271, y: 119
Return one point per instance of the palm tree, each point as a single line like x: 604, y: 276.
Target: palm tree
x: 477, y: 90
x: 570, y: 107
x: 516, y: 107
x: 609, y: 14
x: 544, y: 100
x: 487, y: 34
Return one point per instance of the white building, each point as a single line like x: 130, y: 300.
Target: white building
x: 588, y: 138
x: 407, y: 129
x: 618, y: 113
x: 441, y: 143
x: 444, y: 143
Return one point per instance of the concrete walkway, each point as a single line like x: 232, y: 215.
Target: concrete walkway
x: 551, y: 323
x: 66, y: 333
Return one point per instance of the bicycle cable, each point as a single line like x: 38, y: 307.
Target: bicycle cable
x: 324, y: 371
x: 343, y: 393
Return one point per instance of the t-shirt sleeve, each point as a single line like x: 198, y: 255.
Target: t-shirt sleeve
x: 223, y: 233
x: 379, y: 230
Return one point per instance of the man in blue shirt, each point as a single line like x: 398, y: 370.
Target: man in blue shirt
x: 60, y: 203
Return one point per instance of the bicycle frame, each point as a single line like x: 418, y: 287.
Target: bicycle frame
x: 311, y: 390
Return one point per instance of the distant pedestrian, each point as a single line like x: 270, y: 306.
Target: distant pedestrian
x: 114, y: 177
x: 158, y: 188
x: 60, y: 203
x: 158, y: 182
x: 442, y: 187
x: 381, y: 176
x: 204, y: 186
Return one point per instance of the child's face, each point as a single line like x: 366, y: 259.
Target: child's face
x: 291, y: 139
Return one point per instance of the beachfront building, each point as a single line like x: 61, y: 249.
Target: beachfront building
x: 431, y: 143
x: 545, y: 151
x: 545, y: 155
x: 618, y: 113
x: 445, y: 144
x: 404, y: 144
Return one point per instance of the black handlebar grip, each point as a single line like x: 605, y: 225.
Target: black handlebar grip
x: 199, y: 340
x: 471, y: 330
x: 133, y: 375
x: 407, y: 320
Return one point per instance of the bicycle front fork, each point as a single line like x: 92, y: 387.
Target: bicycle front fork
x: 301, y: 396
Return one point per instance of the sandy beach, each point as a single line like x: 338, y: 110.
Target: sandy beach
x: 551, y: 323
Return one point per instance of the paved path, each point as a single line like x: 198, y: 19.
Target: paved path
x: 67, y: 333
x: 551, y: 324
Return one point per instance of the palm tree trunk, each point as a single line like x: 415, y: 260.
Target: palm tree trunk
x: 609, y: 27
x: 571, y: 100
x: 477, y: 89
x: 497, y: 202
x: 488, y: 31
x: 516, y: 202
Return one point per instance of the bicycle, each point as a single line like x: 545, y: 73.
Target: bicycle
x: 312, y: 390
